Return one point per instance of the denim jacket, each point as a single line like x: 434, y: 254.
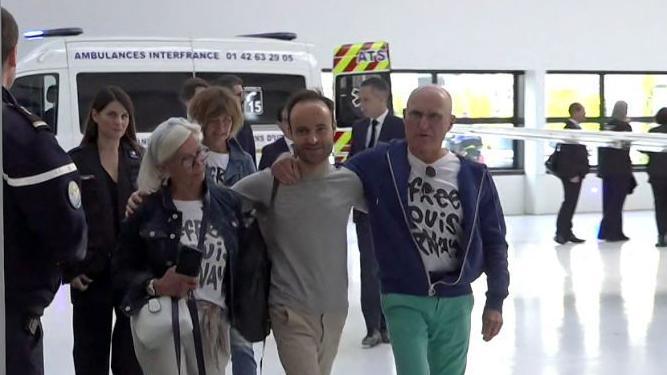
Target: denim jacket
x: 150, y: 240
x: 240, y: 163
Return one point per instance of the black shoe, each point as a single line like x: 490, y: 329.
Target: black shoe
x: 561, y: 239
x: 617, y: 239
x: 574, y: 239
x: 371, y: 340
x: 385, y: 337
x: 662, y: 241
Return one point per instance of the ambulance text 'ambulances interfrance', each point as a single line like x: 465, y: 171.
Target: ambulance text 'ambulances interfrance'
x: 58, y: 79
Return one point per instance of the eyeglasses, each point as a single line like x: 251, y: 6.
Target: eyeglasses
x: 190, y: 161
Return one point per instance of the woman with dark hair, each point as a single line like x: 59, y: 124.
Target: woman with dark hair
x: 615, y: 169
x: 108, y: 160
x: 657, y: 177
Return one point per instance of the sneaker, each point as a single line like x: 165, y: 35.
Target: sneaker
x: 371, y: 340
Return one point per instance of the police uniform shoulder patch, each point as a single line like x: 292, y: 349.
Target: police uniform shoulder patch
x: 37, y: 122
x: 74, y: 194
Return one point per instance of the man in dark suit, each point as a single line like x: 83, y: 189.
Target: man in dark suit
x: 378, y: 126
x: 657, y: 177
x: 572, y: 167
x: 271, y: 151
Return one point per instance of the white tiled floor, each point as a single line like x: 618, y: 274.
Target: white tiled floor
x: 594, y: 308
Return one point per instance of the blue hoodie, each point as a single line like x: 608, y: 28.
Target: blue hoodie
x: 384, y: 172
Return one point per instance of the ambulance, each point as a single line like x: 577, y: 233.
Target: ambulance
x: 58, y: 79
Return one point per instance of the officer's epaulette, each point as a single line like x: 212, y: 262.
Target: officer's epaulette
x: 37, y: 122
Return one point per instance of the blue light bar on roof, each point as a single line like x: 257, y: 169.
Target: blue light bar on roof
x: 279, y: 36
x: 33, y: 34
x: 66, y: 31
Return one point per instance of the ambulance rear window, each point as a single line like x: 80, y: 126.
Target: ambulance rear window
x: 155, y: 95
x: 265, y: 94
x: 39, y: 94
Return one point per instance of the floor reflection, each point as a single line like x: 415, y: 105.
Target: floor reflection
x: 595, y: 308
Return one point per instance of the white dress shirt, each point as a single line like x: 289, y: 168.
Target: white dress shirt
x: 378, y: 128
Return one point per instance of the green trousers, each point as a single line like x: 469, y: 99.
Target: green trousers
x: 429, y: 335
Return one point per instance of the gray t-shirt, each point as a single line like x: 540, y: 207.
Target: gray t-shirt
x: 306, y: 233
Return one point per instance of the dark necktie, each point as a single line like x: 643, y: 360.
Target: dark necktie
x: 374, y: 124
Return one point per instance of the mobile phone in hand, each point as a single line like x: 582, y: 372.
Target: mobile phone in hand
x: 189, y: 261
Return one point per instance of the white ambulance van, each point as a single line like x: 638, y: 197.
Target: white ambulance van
x: 58, y: 79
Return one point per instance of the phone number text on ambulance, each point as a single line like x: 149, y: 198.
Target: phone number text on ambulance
x: 259, y: 56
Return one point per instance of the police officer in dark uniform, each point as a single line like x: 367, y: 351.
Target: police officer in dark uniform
x: 44, y: 225
x: 615, y: 169
x: 657, y: 177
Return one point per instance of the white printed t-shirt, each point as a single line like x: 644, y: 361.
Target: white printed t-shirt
x: 435, y: 212
x: 216, y: 166
x: 211, y: 274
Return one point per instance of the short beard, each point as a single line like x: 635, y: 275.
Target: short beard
x: 297, y: 152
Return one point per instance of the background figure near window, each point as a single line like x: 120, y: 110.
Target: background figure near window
x: 657, y: 173
x: 378, y: 126
x: 191, y: 87
x: 51, y: 113
x: 572, y: 168
x: 271, y: 151
x: 245, y: 135
x: 108, y: 159
x: 615, y: 169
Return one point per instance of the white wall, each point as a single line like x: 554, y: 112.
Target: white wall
x: 481, y: 34
x: 528, y: 35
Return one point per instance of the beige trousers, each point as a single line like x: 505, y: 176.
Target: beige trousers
x: 307, y: 343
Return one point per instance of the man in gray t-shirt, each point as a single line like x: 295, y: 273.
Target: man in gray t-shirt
x: 306, y: 234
